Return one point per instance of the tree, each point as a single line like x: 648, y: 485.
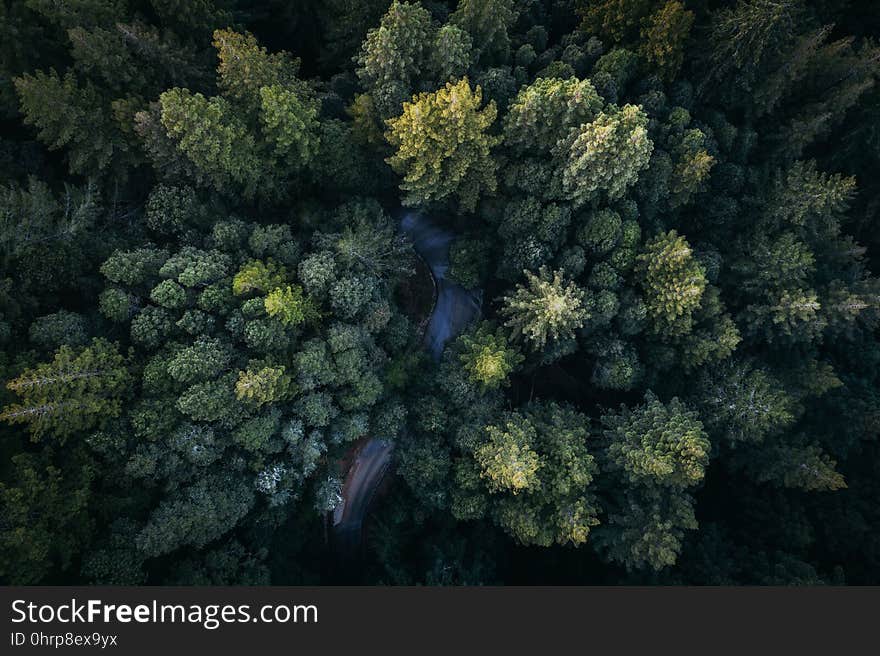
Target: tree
x: 245, y: 68
x: 664, y: 35
x: 617, y: 365
x: 79, y: 12
x: 196, y: 515
x: 543, y: 112
x: 290, y: 306
x: 134, y: 58
x: 206, y: 359
x: 614, y: 20
x: 35, y: 216
x: 604, y: 157
x: 290, y: 123
x: 54, y: 330
x: 545, y: 309
x: 648, y: 528
x: 652, y: 454
x: 393, y: 55
x: 601, y: 231
x: 201, y: 15
x: 442, y: 146
x: 692, y: 166
x: 46, y: 519
x: 771, y: 57
x: 486, y: 356
x: 215, y: 140
x: 538, y: 471
x: 787, y: 315
x: 772, y: 263
x: 451, y: 53
x: 259, y: 276
x: 743, y: 403
x: 798, y: 464
x: 656, y: 444
x: 171, y: 209
x: 78, y: 390
x: 507, y: 460
x: 368, y: 242
x: 487, y: 21
x: 805, y: 197
x: 267, y: 385
x: 73, y: 116
x: 673, y: 281
x: 743, y: 37
x: 345, y: 24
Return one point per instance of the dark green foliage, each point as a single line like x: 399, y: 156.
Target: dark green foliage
x: 652, y: 228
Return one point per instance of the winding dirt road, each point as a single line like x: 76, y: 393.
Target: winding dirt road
x: 371, y: 461
x: 454, y: 308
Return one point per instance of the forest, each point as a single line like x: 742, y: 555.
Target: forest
x: 465, y: 292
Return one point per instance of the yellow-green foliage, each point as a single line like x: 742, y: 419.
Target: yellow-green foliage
x: 245, y: 67
x: 290, y: 122
x: 606, y: 156
x: 442, y: 146
x: 545, y: 309
x: 263, y: 386
x: 258, y: 276
x: 507, y: 460
x: 290, y: 306
x: 673, y: 281
x: 487, y: 358
x: 657, y: 443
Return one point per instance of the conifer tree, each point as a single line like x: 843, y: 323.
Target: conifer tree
x: 78, y: 390
x: 546, y: 309
x: 442, y: 146
x: 673, y: 281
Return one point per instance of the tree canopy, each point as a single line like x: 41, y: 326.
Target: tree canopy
x: 592, y: 283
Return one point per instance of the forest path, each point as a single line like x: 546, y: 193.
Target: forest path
x: 454, y: 308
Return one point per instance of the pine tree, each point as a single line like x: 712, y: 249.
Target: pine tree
x: 538, y: 471
x: 78, y: 390
x: 442, y: 146
x: 486, y: 357
x: 604, y: 157
x: 245, y: 67
x: 215, y: 140
x: 487, y: 22
x: 657, y: 444
x: 73, y: 116
x: 543, y: 112
x: 740, y: 402
x: 267, y: 385
x: 34, y: 216
x: 290, y: 306
x: 290, y: 123
x: 394, y: 54
x: 546, y: 309
x: 673, y: 281
x: 46, y: 519
x: 451, y: 53
x: 507, y: 460
x: 664, y: 35
x: 613, y: 20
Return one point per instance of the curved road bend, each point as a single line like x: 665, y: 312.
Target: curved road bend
x: 455, y: 307
x: 370, y: 464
